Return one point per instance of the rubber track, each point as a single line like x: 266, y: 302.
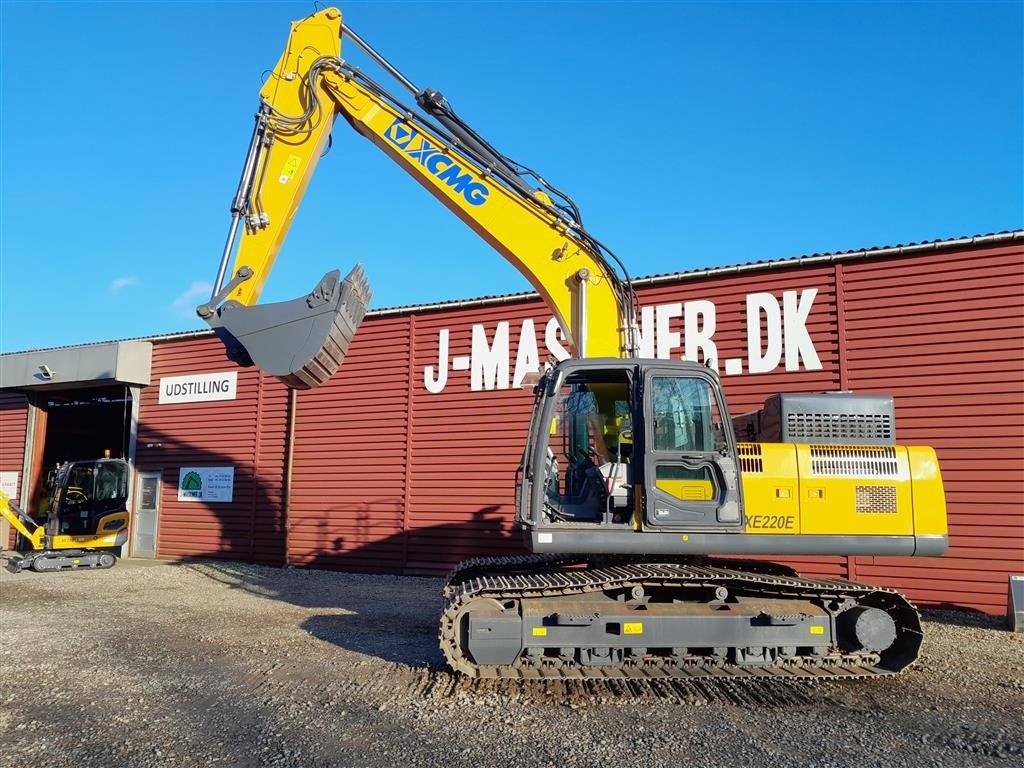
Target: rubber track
x: 529, y: 576
x: 23, y: 563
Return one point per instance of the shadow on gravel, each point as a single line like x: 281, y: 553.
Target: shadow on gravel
x: 385, y: 639
x: 373, y: 611
x: 393, y: 618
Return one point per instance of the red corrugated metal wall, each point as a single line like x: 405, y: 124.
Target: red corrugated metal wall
x: 389, y: 476
x: 13, y: 425
x: 943, y: 333
x: 348, y: 494
x: 247, y: 433
x: 465, y: 445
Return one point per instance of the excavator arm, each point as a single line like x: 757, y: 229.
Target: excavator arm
x: 538, y: 230
x: 22, y: 523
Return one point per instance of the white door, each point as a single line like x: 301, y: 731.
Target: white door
x: 147, y: 512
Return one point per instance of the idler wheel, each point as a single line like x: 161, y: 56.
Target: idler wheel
x: 865, y: 629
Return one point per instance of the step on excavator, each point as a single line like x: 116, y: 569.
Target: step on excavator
x: 633, y: 495
x: 86, y: 519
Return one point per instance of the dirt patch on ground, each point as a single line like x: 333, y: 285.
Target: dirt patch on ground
x: 209, y: 664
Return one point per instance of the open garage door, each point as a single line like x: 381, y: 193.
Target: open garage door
x: 77, y: 424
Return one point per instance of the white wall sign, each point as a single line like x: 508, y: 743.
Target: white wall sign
x: 199, y: 387
x: 206, y: 483
x: 9, y: 484
x: 666, y: 332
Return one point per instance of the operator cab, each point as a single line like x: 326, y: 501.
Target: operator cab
x: 88, y: 498
x: 630, y: 445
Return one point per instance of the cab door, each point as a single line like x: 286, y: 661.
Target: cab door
x: 692, y: 479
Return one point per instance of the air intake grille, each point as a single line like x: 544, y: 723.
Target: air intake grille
x: 854, y: 461
x: 827, y: 427
x: 876, y: 499
x: 750, y: 458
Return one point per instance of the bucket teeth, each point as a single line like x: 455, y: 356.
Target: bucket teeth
x: 303, y: 341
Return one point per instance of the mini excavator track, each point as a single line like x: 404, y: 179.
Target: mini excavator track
x: 63, y: 560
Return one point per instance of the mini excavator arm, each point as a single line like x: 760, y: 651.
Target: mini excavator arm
x: 537, y: 230
x: 22, y: 523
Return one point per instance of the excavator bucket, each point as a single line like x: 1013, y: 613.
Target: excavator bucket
x: 302, y: 341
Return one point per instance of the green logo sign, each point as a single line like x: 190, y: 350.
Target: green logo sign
x: 194, y: 483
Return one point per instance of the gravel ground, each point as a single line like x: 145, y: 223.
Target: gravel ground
x: 221, y: 664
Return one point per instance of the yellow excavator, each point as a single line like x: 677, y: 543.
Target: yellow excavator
x: 633, y: 495
x: 86, y: 519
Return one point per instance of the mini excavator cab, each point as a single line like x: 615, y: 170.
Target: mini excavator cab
x: 86, y: 492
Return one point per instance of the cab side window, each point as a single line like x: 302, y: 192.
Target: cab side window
x: 686, y: 416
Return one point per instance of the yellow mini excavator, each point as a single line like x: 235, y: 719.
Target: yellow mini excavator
x: 86, y: 520
x: 632, y: 488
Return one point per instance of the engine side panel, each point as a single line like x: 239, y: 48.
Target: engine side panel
x: 842, y: 490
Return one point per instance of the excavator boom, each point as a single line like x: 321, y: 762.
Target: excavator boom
x: 303, y: 341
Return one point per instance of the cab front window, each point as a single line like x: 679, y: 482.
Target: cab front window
x: 589, y: 449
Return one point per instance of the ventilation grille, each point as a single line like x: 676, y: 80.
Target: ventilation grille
x: 820, y: 427
x: 750, y: 458
x: 876, y: 499
x: 854, y: 461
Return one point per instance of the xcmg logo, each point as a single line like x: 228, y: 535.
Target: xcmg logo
x: 440, y: 165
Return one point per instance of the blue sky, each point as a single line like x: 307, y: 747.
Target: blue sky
x: 689, y: 134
